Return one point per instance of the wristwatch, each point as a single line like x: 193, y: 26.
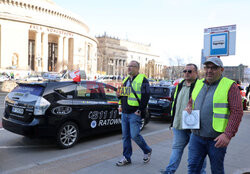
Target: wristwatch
x: 139, y: 112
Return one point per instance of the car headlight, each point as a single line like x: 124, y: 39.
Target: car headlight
x: 5, y: 101
x: 163, y: 102
x: 41, y: 106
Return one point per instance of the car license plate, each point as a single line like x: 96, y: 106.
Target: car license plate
x: 153, y: 101
x: 17, y: 110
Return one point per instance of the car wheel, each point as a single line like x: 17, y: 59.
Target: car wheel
x: 67, y: 135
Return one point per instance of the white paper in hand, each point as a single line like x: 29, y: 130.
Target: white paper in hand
x: 191, y: 121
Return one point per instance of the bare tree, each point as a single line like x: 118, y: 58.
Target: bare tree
x: 175, y: 69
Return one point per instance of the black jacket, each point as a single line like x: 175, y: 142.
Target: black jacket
x: 175, y: 99
x: 145, y: 91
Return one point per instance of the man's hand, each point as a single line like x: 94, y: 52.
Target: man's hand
x: 118, y: 92
x: 222, y: 141
x: 188, y: 109
x: 189, y: 106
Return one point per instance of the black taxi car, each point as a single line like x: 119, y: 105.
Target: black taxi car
x: 64, y: 110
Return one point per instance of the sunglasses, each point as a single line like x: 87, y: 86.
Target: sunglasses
x: 131, y: 66
x: 189, y: 71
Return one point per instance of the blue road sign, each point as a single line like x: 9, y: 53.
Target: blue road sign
x: 219, y: 44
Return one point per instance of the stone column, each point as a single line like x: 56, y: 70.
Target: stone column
x: 71, y: 53
x: 65, y: 53
x: 45, y: 53
x: 86, y: 58
x: 115, y: 66
x: 38, y: 47
x: 59, y: 63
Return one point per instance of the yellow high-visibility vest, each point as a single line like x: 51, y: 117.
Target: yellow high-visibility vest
x: 136, y: 84
x: 175, y: 94
x: 220, y: 102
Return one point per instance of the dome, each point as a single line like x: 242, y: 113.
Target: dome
x: 43, y: 3
x: 48, y: 1
x: 43, y: 12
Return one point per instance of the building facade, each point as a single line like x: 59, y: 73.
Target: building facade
x: 155, y: 69
x: 38, y: 35
x: 114, y: 54
x: 237, y: 73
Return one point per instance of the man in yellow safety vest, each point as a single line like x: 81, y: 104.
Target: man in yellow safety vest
x: 218, y: 100
x: 133, y: 102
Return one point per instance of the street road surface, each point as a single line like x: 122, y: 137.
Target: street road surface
x: 18, y: 152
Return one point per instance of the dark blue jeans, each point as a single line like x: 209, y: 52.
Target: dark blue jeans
x: 181, y: 139
x: 131, y: 130
x: 199, y: 148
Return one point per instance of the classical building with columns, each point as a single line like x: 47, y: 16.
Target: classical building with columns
x: 155, y: 69
x: 38, y: 35
x: 114, y: 54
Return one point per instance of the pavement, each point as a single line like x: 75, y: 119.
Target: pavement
x: 237, y: 160
x: 102, y: 159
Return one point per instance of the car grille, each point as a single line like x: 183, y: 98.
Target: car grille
x: 155, y: 107
x: 158, y: 110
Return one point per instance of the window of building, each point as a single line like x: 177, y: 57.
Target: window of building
x: 52, y: 56
x: 31, y: 54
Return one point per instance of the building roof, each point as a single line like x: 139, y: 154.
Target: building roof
x: 37, y: 11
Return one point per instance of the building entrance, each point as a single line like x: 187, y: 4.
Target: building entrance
x: 31, y: 58
x: 52, y: 56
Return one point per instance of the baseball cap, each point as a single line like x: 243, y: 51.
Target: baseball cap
x: 215, y: 60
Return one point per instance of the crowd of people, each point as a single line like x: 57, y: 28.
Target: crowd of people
x: 215, y: 98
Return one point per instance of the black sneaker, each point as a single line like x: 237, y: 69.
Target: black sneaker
x: 123, y: 162
x: 147, y: 157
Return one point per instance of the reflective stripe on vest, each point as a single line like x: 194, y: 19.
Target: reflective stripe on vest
x: 220, y: 102
x: 136, y: 84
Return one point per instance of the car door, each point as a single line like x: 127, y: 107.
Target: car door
x: 62, y: 107
x: 113, y: 119
x: 89, y: 106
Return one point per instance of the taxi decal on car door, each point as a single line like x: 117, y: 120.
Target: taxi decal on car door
x: 104, y: 118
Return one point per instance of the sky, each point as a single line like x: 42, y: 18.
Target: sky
x: 174, y: 28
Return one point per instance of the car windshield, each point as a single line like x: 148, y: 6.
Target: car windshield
x: 31, y: 89
x: 159, y: 91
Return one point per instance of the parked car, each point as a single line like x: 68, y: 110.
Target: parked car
x: 66, y: 75
x: 159, y: 104
x: 34, y: 77
x: 3, y: 77
x: 245, y: 98
x: 63, y: 110
x: 164, y: 83
x: 152, y: 81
